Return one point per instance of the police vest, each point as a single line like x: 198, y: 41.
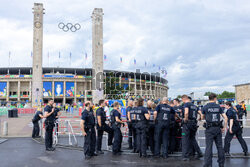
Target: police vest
x: 151, y: 118
x: 133, y: 115
x: 140, y: 117
x: 164, y: 113
x: 90, y: 121
x: 112, y: 117
x: 193, y: 112
x: 213, y: 115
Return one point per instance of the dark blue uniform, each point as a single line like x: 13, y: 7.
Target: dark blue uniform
x: 237, y: 131
x: 141, y: 130
x: 100, y: 112
x: 162, y: 128
x: 172, y: 133
x: 212, y: 112
x: 178, y: 130
x: 134, y: 121
x: 240, y: 112
x: 49, y: 125
x: 151, y: 130
x: 130, y: 129
x: 89, y: 127
x: 116, y: 126
x: 36, y: 128
x: 189, y: 131
x: 57, y: 110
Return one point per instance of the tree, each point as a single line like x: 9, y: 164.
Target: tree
x: 113, y: 89
x: 226, y: 95
x: 208, y: 93
x: 178, y: 97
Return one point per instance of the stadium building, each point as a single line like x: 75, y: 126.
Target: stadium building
x: 68, y: 85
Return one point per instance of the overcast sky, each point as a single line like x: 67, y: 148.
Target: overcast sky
x: 204, y: 45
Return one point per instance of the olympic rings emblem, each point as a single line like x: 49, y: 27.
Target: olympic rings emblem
x: 69, y: 26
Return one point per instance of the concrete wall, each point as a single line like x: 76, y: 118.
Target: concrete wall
x: 242, y: 93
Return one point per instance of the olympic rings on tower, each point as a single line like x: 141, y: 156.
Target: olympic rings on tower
x: 69, y: 26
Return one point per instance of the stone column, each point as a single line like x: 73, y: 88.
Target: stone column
x: 75, y: 88
x: 30, y: 91
x: 53, y: 89
x: 37, y: 54
x: 8, y: 91
x: 64, y: 93
x: 97, y: 54
x: 18, y: 91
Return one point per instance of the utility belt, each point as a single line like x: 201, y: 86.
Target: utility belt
x: 213, y: 124
x: 151, y: 122
x: 89, y: 126
x: 49, y: 122
x: 134, y: 121
x: 117, y: 124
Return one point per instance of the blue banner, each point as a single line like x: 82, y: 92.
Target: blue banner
x: 58, y: 88
x: 70, y: 89
x: 3, y: 89
x: 47, y: 89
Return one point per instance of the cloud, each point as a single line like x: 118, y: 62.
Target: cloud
x: 204, y: 45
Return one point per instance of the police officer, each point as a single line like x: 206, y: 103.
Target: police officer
x: 49, y: 125
x: 88, y: 131
x: 178, y: 108
x: 212, y: 113
x: 57, y: 115
x: 189, y: 129
x: 116, y: 123
x: 142, y: 115
x: 102, y: 126
x: 235, y: 128
x: 162, y: 122
x: 132, y: 119
x: 35, y: 120
x: 172, y: 131
x: 130, y: 128
x: 240, y: 110
x: 151, y: 126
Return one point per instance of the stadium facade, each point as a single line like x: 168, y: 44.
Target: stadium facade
x: 70, y: 85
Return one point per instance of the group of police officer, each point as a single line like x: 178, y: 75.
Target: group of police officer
x: 51, y: 114
x: 159, y: 128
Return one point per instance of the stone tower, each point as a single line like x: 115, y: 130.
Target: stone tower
x: 37, y: 55
x: 97, y: 55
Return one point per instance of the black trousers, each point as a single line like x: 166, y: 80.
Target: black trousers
x: 229, y: 138
x: 141, y: 137
x: 49, y: 135
x: 117, y: 139
x: 130, y: 135
x: 89, y: 142
x: 36, y: 129
x: 172, y: 138
x: 100, y: 131
x: 134, y: 140
x: 150, y: 135
x: 178, y: 145
x: 161, y: 136
x: 189, y: 141
x: 213, y: 134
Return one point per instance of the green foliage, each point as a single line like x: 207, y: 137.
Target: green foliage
x: 113, y: 89
x: 226, y: 94
x: 178, y: 97
x: 223, y: 95
x: 208, y: 93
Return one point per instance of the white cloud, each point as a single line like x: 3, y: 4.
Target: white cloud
x: 204, y: 45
